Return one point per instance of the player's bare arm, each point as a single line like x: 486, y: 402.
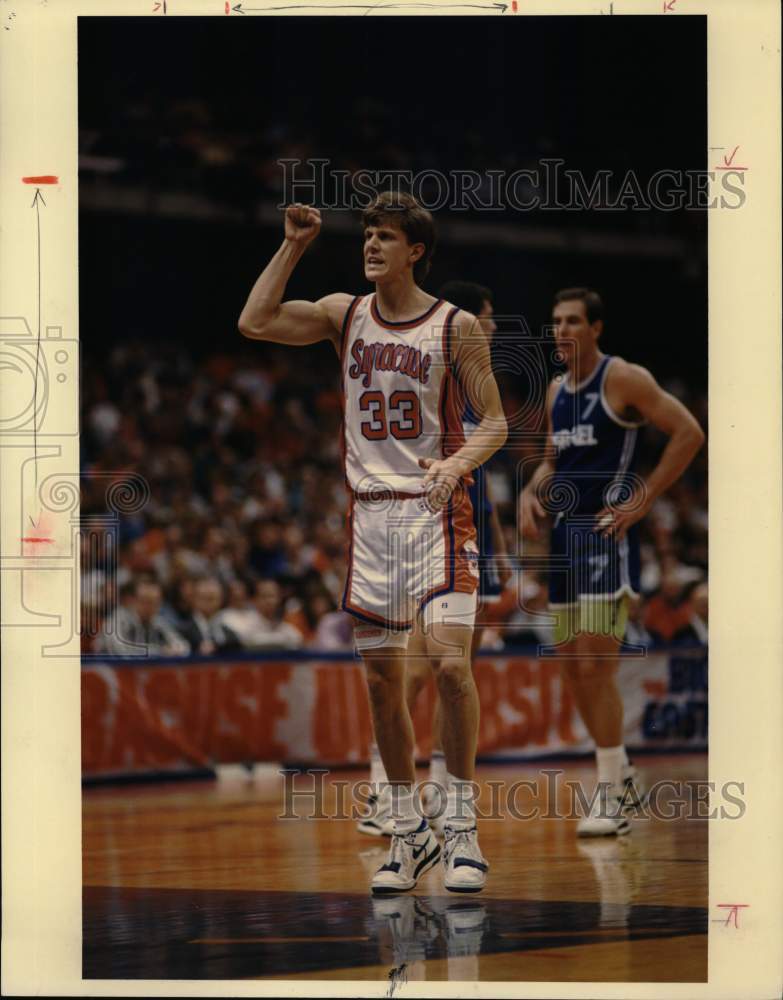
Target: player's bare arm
x: 267, y: 317
x: 473, y: 364
x: 632, y: 391
x: 531, y: 510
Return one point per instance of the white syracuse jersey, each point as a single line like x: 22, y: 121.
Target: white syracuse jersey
x: 401, y: 399
x: 402, y: 402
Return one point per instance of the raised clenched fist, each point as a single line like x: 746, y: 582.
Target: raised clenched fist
x: 302, y: 223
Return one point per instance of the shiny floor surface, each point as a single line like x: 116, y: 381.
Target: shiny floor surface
x: 204, y: 880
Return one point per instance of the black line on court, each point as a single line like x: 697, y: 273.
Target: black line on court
x: 134, y: 933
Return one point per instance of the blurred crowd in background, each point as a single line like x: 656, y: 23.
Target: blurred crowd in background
x: 242, y: 543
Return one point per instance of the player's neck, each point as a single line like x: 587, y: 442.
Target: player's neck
x: 587, y: 363
x: 401, y: 299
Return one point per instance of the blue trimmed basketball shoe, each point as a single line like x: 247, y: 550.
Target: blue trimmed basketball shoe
x: 466, y: 867
x: 410, y: 856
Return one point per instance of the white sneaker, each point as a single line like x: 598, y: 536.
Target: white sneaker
x: 378, y: 821
x: 606, y: 817
x: 433, y: 806
x: 466, y: 867
x: 410, y: 856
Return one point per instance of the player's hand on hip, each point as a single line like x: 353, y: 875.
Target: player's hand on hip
x: 442, y: 478
x: 530, y: 510
x: 302, y: 223
x: 616, y: 519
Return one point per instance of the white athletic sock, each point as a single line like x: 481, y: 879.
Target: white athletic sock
x: 626, y: 762
x: 610, y: 764
x: 438, y: 768
x: 460, y: 805
x: 406, y: 818
x: 377, y: 770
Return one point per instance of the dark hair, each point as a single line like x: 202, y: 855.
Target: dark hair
x: 594, y: 307
x: 466, y: 295
x: 401, y: 210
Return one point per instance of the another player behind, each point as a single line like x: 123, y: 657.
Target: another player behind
x: 405, y: 356
x: 587, y: 482
x: 478, y: 301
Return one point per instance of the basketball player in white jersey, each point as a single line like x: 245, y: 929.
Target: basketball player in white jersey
x: 493, y: 574
x: 593, y: 416
x: 408, y: 361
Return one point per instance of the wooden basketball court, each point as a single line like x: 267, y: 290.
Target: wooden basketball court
x: 202, y: 880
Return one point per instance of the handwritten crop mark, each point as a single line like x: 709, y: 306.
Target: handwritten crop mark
x: 733, y: 916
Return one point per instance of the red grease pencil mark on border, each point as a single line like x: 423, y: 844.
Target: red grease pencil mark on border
x: 48, y: 541
x: 43, y: 179
x: 513, y: 6
x: 728, y: 162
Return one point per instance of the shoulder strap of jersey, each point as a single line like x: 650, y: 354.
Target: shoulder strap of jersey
x: 350, y: 312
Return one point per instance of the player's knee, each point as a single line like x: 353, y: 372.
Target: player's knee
x: 454, y: 678
x: 384, y: 682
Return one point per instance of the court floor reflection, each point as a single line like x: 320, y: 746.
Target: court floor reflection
x: 212, y: 934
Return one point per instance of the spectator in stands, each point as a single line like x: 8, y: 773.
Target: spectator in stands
x: 203, y: 629
x: 259, y: 624
x: 635, y: 632
x: 334, y: 631
x: 529, y: 623
x: 229, y: 502
x: 267, y: 554
x: 270, y: 630
x: 695, y: 607
x: 239, y: 615
x: 140, y: 629
x: 179, y: 605
x: 664, y: 615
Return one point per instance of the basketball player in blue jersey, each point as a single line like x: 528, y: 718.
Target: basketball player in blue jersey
x: 406, y: 358
x: 587, y: 484
x: 493, y: 574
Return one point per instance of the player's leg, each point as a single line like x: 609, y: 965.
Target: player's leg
x: 448, y: 626
x: 418, y: 673
x: 592, y: 675
x: 413, y: 848
x: 417, y: 666
x: 449, y: 647
x: 385, y: 670
x: 377, y: 594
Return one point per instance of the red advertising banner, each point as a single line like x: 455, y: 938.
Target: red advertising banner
x: 179, y: 716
